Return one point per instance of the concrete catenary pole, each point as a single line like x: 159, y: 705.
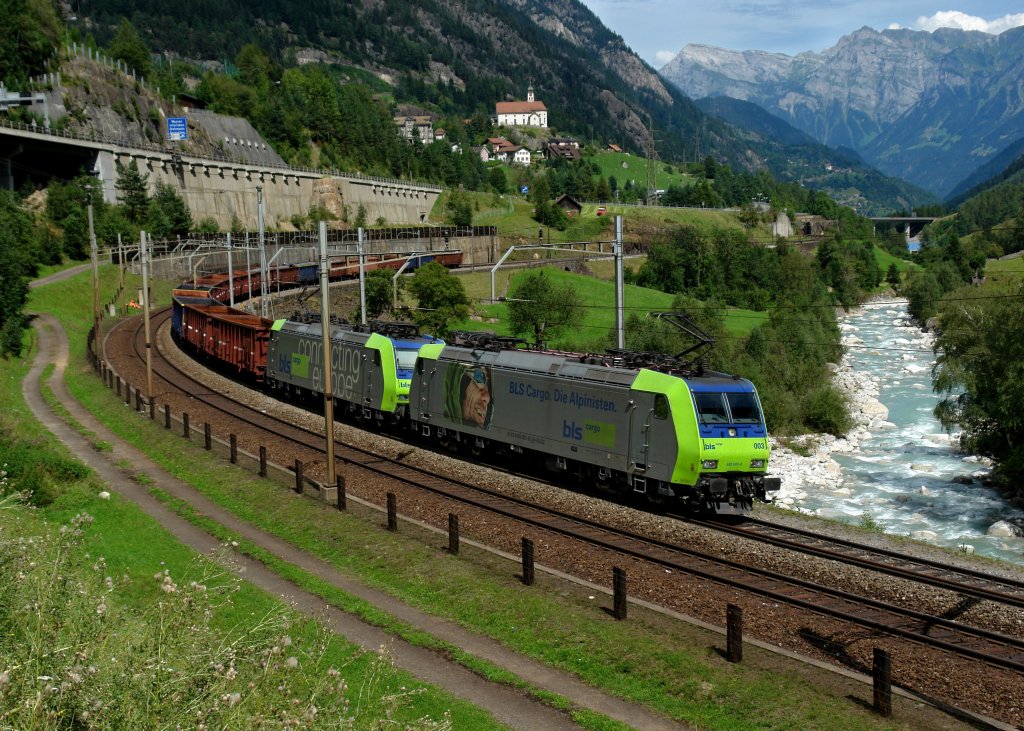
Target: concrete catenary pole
x: 145, y: 315
x: 620, y: 330
x: 95, y: 266
x: 325, y: 326
x: 231, y: 273
x: 362, y: 279
x: 263, y: 254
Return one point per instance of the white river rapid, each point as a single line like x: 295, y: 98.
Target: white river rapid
x: 897, y: 467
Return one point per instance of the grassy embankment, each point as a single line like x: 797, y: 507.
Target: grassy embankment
x: 145, y: 625
x: 663, y: 663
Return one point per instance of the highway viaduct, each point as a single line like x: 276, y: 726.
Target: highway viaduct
x: 220, y: 188
x: 912, y: 225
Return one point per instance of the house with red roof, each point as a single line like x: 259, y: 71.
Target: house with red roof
x: 531, y: 113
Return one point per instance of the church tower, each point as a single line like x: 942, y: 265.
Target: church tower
x: 529, y: 93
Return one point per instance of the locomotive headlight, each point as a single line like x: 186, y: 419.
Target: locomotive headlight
x: 757, y: 464
x: 709, y: 464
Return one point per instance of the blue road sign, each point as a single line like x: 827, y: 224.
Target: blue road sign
x: 524, y: 189
x: 177, y: 128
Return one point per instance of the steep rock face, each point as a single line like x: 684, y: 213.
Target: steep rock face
x: 572, y: 21
x: 929, y: 107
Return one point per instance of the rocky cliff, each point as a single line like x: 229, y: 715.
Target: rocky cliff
x: 927, y: 107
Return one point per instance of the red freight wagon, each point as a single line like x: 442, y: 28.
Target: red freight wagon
x: 236, y: 339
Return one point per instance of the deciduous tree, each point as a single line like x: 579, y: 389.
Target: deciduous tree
x: 441, y: 299
x: 541, y: 308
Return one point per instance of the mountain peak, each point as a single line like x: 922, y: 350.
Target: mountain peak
x: 927, y: 107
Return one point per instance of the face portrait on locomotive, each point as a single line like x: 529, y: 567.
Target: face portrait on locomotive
x: 468, y: 394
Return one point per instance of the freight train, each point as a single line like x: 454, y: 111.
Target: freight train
x: 619, y: 423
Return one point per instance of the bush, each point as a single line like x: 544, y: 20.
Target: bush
x: 826, y: 410
x: 37, y: 473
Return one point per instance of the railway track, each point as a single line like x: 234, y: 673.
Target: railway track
x: 963, y: 581
x: 936, y: 632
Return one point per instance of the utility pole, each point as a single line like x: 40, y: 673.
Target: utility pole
x: 620, y: 330
x: 145, y: 316
x: 231, y: 273
x: 95, y: 267
x: 263, y: 254
x: 325, y: 327
x: 120, y: 266
x: 362, y: 279
x: 248, y: 273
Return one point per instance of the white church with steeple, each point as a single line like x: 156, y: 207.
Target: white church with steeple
x: 531, y: 113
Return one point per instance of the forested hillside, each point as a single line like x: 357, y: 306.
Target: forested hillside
x: 457, y: 59
x: 459, y: 56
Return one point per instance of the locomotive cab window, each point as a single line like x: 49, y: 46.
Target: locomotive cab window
x: 660, y: 406
x: 405, y: 359
x: 744, y: 408
x: 711, y: 407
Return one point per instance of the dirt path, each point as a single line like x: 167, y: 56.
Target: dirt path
x: 507, y: 705
x: 59, y: 276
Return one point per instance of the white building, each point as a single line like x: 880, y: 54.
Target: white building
x: 531, y: 113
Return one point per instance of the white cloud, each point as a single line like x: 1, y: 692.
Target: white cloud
x: 963, y: 21
x: 663, y: 57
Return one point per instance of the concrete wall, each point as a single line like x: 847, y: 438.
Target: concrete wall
x: 225, y: 191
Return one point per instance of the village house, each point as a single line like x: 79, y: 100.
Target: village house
x: 409, y: 127
x: 570, y: 205
x: 531, y: 113
x: 562, y: 148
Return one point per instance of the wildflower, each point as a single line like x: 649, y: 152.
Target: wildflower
x: 110, y: 583
x: 234, y: 698
x: 292, y: 662
x: 5, y: 678
x: 101, y: 609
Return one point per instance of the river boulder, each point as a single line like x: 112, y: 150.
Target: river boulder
x: 1004, y: 529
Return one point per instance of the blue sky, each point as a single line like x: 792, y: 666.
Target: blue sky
x: 658, y: 29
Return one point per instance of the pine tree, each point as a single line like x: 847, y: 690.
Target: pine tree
x: 132, y: 188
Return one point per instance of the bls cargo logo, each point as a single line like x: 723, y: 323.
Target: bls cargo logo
x: 598, y: 433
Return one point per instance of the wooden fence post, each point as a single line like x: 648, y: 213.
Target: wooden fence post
x: 734, y: 636
x: 342, y: 498
x: 392, y: 512
x: 528, y: 575
x: 619, y: 590
x: 882, y: 674
x: 453, y: 534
